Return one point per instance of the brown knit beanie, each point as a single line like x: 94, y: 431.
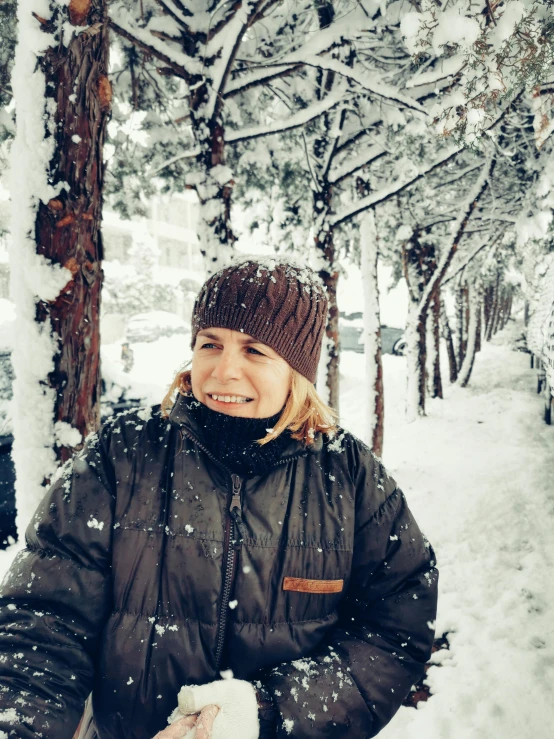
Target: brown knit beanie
x: 277, y: 303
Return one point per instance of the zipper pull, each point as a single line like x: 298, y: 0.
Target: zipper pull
x: 235, y: 511
x: 235, y: 500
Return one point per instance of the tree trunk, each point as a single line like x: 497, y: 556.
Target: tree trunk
x: 62, y: 99
x: 465, y: 321
x: 328, y: 382
x: 478, y: 337
x: 467, y: 366
x: 487, y: 309
x: 493, y: 308
x: 416, y: 357
x: 372, y: 335
x: 325, y: 255
x: 499, y: 312
x: 214, y: 187
x: 436, y: 391
x: 526, y: 313
x: 510, y: 305
x: 418, y: 264
x: 461, y: 328
x: 447, y: 335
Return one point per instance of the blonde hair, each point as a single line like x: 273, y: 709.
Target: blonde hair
x: 304, y: 413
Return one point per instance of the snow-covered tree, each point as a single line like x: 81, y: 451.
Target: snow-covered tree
x: 62, y: 101
x: 495, y: 49
x: 7, y: 46
x: 206, y: 69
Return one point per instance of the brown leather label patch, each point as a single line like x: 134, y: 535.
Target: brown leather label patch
x: 300, y: 585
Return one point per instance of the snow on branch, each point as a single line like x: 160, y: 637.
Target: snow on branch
x: 180, y: 63
x: 458, y: 230
x: 293, y: 121
x: 382, y: 90
x: 190, y: 154
x: 379, y: 89
x: 174, y: 11
x: 226, y: 53
x: 252, y: 77
x: 460, y: 175
x: 387, y: 192
x: 355, y: 163
x: 352, y: 26
x: 487, y: 245
x: 445, y: 68
x: 396, y: 187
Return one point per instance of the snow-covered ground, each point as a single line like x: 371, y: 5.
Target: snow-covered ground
x: 478, y: 474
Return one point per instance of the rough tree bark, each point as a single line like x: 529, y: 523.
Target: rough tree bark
x: 68, y: 226
x: 62, y: 192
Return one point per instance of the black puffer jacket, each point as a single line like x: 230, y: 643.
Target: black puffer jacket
x: 136, y: 580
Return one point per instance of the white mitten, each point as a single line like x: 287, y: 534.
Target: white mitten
x: 238, y: 707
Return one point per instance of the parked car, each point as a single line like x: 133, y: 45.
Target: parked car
x: 351, y: 329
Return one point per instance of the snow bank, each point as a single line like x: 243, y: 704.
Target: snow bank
x: 478, y: 475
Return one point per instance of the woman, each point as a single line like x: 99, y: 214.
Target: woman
x: 236, y: 533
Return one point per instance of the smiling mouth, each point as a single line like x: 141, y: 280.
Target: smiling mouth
x: 236, y: 399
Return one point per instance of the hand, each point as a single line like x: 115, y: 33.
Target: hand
x: 197, y: 726
x: 238, y: 709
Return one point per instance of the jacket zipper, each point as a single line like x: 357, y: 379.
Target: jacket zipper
x: 233, y: 542
x: 234, y: 532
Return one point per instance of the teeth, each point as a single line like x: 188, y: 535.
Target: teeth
x: 229, y: 398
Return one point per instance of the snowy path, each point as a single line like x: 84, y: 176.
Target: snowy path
x: 478, y: 473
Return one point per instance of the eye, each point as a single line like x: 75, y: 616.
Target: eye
x: 255, y: 351
x: 207, y: 346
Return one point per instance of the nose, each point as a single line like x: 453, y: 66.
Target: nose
x: 227, y: 368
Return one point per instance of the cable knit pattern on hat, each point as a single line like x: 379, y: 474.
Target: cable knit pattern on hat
x: 279, y: 304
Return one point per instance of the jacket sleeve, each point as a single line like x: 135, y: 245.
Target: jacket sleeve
x: 356, y: 680
x: 54, y: 600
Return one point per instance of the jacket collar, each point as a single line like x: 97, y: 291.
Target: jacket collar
x: 180, y: 416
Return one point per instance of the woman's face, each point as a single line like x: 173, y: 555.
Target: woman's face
x: 235, y: 374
